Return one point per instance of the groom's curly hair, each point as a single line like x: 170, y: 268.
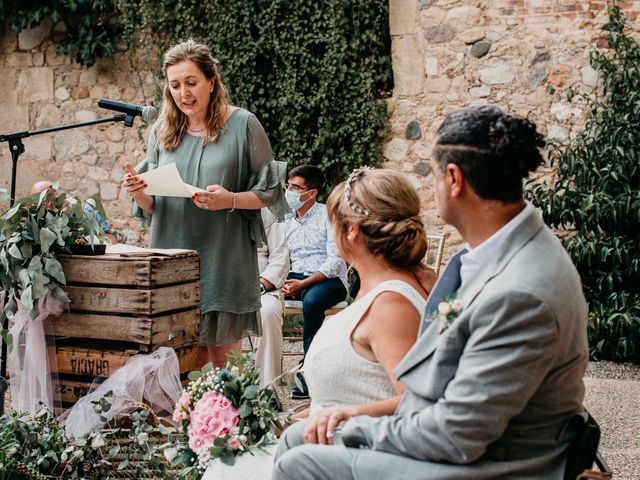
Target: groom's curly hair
x: 494, y: 150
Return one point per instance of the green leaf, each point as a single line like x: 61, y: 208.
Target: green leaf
x: 47, y: 238
x: 14, y: 251
x: 250, y: 392
x: 227, y: 458
x: 54, y: 268
x: 60, y: 295
x: 26, y: 297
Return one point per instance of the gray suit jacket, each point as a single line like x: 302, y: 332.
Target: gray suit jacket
x: 491, y: 396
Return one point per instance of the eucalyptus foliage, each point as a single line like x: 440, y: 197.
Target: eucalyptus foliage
x: 597, y: 196
x: 32, y: 233
x: 36, y: 446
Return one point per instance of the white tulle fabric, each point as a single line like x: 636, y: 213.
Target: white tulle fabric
x: 28, y: 358
x: 153, y: 377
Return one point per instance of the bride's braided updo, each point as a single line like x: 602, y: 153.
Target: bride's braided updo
x: 386, y: 207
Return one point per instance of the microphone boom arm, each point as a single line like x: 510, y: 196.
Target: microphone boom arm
x: 17, y: 148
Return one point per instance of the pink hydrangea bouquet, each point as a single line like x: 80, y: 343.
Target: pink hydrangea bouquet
x: 221, y: 414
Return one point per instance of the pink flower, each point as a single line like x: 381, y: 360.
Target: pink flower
x: 234, y: 443
x: 182, y: 408
x: 212, y: 416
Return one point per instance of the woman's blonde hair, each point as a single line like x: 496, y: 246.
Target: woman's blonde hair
x: 386, y: 207
x: 174, y: 122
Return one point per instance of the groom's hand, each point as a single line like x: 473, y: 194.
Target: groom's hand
x: 320, y: 426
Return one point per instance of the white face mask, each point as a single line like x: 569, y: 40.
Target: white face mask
x: 293, y: 199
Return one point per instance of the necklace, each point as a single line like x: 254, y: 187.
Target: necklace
x: 196, y: 131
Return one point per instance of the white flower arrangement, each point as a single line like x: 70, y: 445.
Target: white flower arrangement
x: 448, y: 310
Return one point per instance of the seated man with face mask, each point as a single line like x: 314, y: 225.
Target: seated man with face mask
x: 318, y: 276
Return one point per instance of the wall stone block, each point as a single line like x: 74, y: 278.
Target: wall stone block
x: 37, y: 148
x: 471, y: 35
x: 106, y: 161
x: 480, y: 49
x: 62, y: 93
x: 498, y: 72
x: 87, y: 79
x: 87, y: 188
x: 423, y: 168
x: 440, y: 33
x: 36, y: 84
x: 70, y: 144
x: 465, y: 15
x: 30, y: 38
x: 109, y: 191
x: 407, y: 68
x: 413, y: 131
x: 396, y: 150
x: 402, y: 15
x: 85, y: 116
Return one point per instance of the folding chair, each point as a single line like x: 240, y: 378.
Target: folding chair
x: 435, y: 252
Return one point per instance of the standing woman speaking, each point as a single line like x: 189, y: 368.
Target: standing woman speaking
x: 225, y: 150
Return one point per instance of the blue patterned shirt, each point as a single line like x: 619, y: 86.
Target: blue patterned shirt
x: 311, y: 245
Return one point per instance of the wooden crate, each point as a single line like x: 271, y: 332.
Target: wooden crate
x: 80, y: 366
x: 148, y: 300
x: 123, y: 305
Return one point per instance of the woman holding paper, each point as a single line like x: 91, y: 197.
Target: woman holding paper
x: 223, y: 150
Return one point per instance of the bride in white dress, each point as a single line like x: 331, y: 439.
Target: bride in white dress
x: 378, y: 229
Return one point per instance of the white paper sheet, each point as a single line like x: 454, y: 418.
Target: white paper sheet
x: 131, y: 250
x: 166, y: 181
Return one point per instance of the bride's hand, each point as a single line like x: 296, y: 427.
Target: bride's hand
x: 320, y: 426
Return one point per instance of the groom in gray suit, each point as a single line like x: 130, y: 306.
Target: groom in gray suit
x: 489, y: 393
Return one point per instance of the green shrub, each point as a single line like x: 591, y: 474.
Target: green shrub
x: 597, y: 196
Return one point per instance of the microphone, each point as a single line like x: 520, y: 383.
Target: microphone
x: 148, y: 112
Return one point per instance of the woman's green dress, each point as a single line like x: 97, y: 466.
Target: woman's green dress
x: 240, y: 160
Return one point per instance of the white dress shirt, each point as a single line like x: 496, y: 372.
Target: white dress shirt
x: 311, y: 245
x: 475, y: 257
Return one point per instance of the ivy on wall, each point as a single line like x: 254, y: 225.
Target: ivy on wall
x: 597, y: 197
x: 315, y: 73
x: 91, y: 26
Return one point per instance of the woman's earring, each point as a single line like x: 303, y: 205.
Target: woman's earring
x: 350, y: 238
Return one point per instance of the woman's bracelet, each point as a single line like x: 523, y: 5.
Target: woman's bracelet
x: 233, y: 205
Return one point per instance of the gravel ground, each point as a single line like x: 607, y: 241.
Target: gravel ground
x: 612, y: 397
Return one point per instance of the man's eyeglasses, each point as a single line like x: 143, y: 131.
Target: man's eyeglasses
x: 295, y: 188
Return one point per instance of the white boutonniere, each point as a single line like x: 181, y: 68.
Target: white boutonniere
x: 448, y: 310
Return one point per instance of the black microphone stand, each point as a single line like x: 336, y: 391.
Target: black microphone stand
x: 17, y: 148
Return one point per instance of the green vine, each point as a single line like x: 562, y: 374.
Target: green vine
x: 315, y: 73
x: 597, y: 196
x: 91, y: 29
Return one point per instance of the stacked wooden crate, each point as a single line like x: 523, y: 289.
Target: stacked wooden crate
x: 121, y: 306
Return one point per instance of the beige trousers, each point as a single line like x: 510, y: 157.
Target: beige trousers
x: 269, y: 350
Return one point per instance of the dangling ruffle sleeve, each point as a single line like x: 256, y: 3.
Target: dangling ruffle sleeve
x: 149, y: 163
x: 266, y: 181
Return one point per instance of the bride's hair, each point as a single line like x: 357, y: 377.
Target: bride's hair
x: 386, y: 207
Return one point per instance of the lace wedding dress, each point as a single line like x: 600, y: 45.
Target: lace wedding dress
x: 337, y: 376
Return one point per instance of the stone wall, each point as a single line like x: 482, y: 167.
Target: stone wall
x: 521, y: 55
x: 41, y: 89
